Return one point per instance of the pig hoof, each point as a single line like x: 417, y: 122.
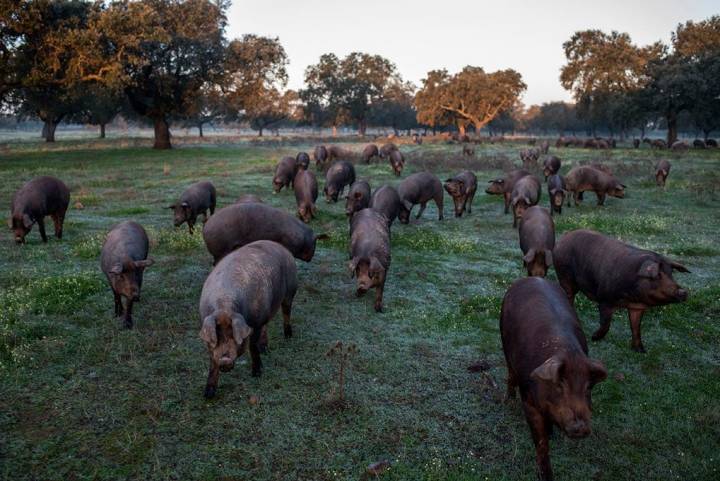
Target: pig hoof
x: 256, y: 373
x: 640, y: 349
x: 287, y: 331
x: 263, y: 349
x: 209, y: 392
x: 378, y: 308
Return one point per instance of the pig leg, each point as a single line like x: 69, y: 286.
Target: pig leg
x: 606, y: 313
x: 511, y: 384
x: 287, y: 326
x: 41, y: 228
x: 569, y: 287
x: 190, y: 224
x: 422, y: 209
x: 439, y: 204
x: 379, y: 297
x: 57, y: 222
x: 263, y: 344
x: 576, y: 197
x: 506, y: 195
x: 539, y: 430
x: 635, y: 316
x: 255, y: 352
x: 212, y: 380
x: 600, y: 198
x: 118, y: 305
x: 128, y: 323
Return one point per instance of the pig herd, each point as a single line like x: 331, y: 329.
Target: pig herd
x: 254, y: 247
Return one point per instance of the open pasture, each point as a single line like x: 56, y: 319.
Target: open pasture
x: 80, y: 398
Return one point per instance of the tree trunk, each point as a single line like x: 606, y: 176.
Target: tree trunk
x: 49, y: 130
x: 44, y: 133
x: 334, y: 131
x: 461, y: 128
x: 200, y: 129
x: 362, y: 127
x: 162, y: 134
x: 102, y: 131
x: 706, y: 134
x: 672, y: 128
x: 260, y: 130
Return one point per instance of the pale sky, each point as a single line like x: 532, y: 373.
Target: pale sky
x: 422, y: 35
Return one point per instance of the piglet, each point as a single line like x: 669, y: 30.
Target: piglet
x: 197, y: 199
x: 36, y: 199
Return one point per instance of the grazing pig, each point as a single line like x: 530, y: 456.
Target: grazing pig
x: 248, y: 198
x: 537, y: 240
x: 397, y: 161
x: 636, y: 143
x: 551, y: 166
x: 462, y: 189
x: 679, y: 145
x: 616, y: 276
x: 239, y: 224
x: 699, y: 144
x: 340, y: 174
x: 197, y: 199
x: 320, y: 155
x: 303, y: 160
x: 240, y: 296
x: 306, y: 193
x: 386, y: 201
x: 556, y: 191
x: 504, y: 185
x: 547, y: 359
x: 584, y: 178
x: 370, y: 252
x: 335, y: 152
x: 284, y: 173
x: 358, y: 198
x: 123, y: 259
x: 662, y: 170
x: 544, y: 147
x: 525, y: 194
x: 529, y: 158
x: 468, y: 151
x: 386, y: 149
x: 658, y: 144
x: 39, y: 197
x: 369, y: 152
x: 711, y: 143
x: 419, y: 188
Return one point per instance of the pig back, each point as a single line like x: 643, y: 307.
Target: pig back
x: 420, y: 187
x: 527, y: 186
x: 126, y: 240
x: 386, y: 201
x: 370, y: 236
x: 40, y: 196
x: 537, y: 230
x: 306, y: 187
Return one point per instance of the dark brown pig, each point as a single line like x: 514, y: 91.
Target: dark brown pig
x: 370, y: 252
x: 335, y: 152
x: 616, y: 276
x: 525, y: 194
x: 547, y: 359
x: 662, y: 170
x: 240, y: 224
x: 419, y: 188
x: 340, y: 174
x: 39, y: 197
x: 358, y: 198
x: 240, y: 296
x: 462, y: 189
x: 556, y: 192
x: 551, y: 166
x: 197, y: 199
x: 386, y: 201
x: 320, y: 155
x: 284, y: 173
x: 504, y: 185
x: 123, y: 259
x: 397, y: 161
x: 386, y: 149
x: 306, y: 193
x: 248, y: 198
x: 537, y: 240
x: 585, y: 178
x: 303, y: 160
x: 369, y: 152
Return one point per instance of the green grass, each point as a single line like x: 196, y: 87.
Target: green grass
x: 82, y: 399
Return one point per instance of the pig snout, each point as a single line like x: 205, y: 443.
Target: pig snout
x: 364, y: 285
x: 577, y: 428
x: 19, y: 239
x: 681, y: 295
x: 226, y: 363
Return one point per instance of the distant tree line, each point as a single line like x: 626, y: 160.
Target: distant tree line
x: 169, y: 62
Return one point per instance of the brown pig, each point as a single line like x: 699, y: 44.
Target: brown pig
x: 386, y: 149
x: 248, y: 198
x: 662, y: 170
x: 197, y: 199
x: 537, y: 240
x: 547, y: 359
x: 585, y: 178
x: 369, y: 152
x: 335, y: 152
x: 419, y: 188
x: 123, y: 259
x: 303, y: 160
x: 556, y: 192
x: 397, y: 161
x: 320, y: 155
x: 370, y: 252
x: 551, y: 166
x: 386, y: 201
x: 504, y: 185
x: 358, y: 198
x: 36, y: 199
x: 462, y: 189
x: 239, y: 224
x: 240, y: 296
x: 284, y: 173
x: 340, y: 174
x: 525, y: 194
x: 306, y: 193
x: 616, y: 276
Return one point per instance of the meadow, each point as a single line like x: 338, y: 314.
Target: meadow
x: 83, y: 399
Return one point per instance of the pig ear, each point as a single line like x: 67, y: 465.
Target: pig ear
x: 240, y: 329
x: 677, y: 266
x: 358, y: 195
x: 27, y: 221
x: 116, y: 269
x: 208, y: 332
x: 649, y: 269
x: 528, y: 258
x: 143, y: 264
x: 598, y: 372
x: 548, y: 258
x: 185, y: 205
x: 353, y: 265
x: 549, y: 371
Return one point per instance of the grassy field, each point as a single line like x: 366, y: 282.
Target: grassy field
x: 80, y: 398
